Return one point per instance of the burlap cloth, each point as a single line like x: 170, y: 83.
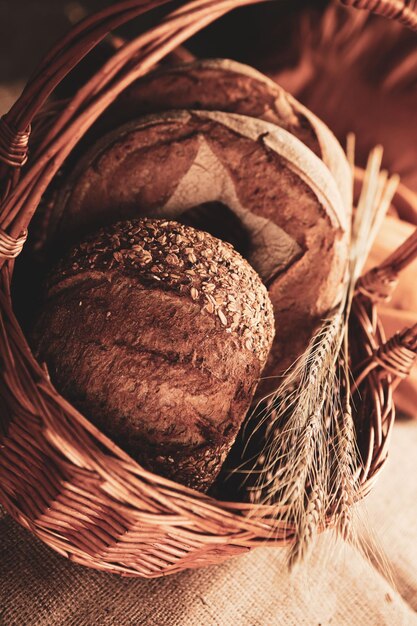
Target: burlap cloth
x: 340, y: 588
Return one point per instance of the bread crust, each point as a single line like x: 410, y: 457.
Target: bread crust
x: 228, y: 86
x: 132, y: 338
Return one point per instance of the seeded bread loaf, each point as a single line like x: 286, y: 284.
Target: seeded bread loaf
x: 285, y: 203
x: 158, y: 333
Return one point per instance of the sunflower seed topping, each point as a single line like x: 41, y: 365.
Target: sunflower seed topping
x: 173, y: 257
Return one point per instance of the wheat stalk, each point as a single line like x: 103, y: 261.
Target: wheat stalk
x: 307, y: 466
x: 307, y: 529
x: 376, y: 196
x: 295, y: 452
x: 347, y: 460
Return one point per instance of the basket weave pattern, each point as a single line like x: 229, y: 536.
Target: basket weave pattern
x: 61, y: 477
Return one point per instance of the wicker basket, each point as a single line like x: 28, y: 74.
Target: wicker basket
x: 62, y: 478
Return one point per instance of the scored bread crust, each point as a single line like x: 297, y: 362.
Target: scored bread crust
x: 158, y: 333
x: 228, y: 86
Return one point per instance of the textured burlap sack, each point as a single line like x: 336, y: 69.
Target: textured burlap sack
x: 40, y: 588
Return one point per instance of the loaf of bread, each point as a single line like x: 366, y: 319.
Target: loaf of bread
x: 158, y: 333
x: 224, y: 85
x: 221, y: 172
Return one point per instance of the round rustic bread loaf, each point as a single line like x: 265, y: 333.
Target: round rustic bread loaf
x: 158, y: 333
x: 292, y: 221
x: 225, y: 85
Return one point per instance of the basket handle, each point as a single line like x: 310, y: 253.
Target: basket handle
x: 396, y: 357
x: 404, y: 11
x: 67, y: 53
x: 379, y: 282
